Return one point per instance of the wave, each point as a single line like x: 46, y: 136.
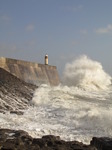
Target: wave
x: 72, y: 113
x: 86, y: 73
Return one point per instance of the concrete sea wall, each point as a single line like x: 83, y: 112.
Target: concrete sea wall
x: 31, y: 72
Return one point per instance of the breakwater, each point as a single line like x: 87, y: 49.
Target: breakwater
x: 31, y: 72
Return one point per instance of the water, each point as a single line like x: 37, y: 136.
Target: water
x: 87, y: 74
x: 78, y: 109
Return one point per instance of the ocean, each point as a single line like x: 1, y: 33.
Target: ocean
x: 78, y: 109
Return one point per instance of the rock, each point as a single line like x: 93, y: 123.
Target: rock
x: 16, y: 112
x: 15, y: 94
x: 102, y: 143
x: 20, y: 140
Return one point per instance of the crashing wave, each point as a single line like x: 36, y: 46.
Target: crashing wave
x: 87, y: 74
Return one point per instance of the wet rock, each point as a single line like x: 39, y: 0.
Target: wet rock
x: 102, y: 143
x: 15, y: 94
x: 20, y: 140
x: 16, y: 112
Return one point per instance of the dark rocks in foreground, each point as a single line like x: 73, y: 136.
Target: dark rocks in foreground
x: 102, y: 143
x: 20, y: 140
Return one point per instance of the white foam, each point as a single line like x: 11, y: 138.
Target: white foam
x: 87, y: 74
x: 69, y: 112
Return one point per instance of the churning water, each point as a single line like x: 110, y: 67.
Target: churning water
x: 77, y: 110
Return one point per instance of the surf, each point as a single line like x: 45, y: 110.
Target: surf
x: 86, y: 74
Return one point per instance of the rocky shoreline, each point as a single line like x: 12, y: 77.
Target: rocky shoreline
x: 20, y: 140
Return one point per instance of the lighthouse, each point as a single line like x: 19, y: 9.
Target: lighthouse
x: 46, y: 59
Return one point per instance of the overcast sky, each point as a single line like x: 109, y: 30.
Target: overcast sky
x: 63, y: 29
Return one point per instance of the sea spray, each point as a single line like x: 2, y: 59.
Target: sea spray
x: 72, y: 113
x: 86, y: 73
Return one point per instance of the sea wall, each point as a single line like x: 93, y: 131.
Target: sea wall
x: 31, y: 72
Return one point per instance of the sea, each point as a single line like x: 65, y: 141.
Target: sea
x: 78, y: 109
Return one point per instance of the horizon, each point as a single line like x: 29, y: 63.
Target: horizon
x: 62, y: 29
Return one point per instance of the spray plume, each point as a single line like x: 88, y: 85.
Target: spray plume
x: 87, y: 74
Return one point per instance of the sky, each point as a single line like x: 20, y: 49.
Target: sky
x: 63, y: 29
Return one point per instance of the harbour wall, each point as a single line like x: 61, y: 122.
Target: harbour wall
x: 31, y: 72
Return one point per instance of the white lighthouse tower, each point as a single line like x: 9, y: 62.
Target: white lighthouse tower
x: 46, y: 59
